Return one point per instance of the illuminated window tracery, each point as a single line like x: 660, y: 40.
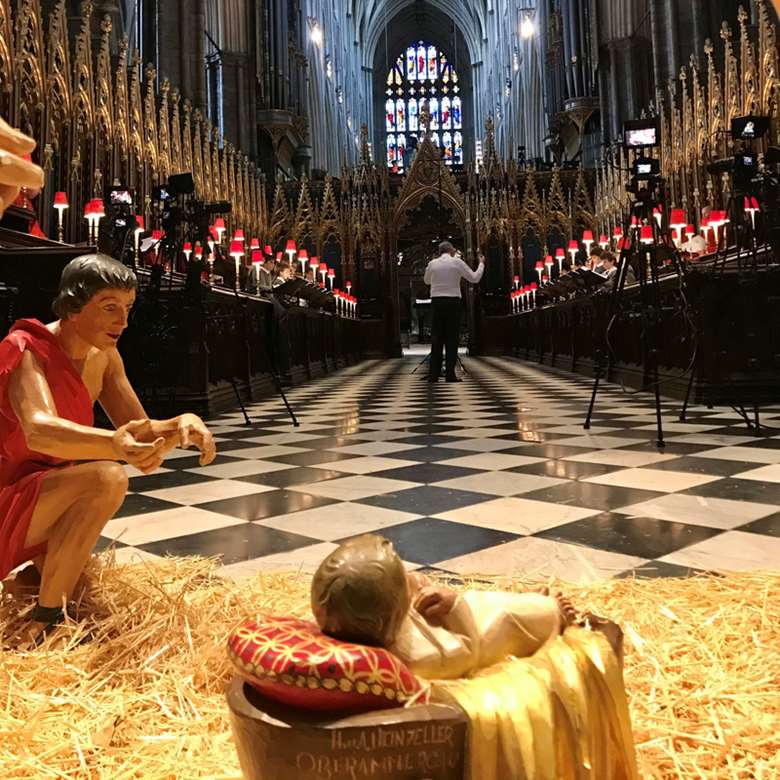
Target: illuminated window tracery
x: 422, y: 74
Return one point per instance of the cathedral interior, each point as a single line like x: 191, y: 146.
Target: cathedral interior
x: 280, y: 179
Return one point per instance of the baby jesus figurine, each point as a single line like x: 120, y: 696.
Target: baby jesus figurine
x: 361, y: 593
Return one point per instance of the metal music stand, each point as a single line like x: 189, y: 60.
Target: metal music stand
x: 427, y: 361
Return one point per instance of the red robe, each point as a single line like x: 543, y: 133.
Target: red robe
x: 21, y: 470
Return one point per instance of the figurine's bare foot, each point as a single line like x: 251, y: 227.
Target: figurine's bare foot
x: 36, y: 633
x: 32, y: 636
x: 567, y: 610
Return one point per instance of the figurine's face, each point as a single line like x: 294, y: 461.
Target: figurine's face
x: 104, y: 318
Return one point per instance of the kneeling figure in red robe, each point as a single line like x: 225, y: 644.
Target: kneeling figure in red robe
x: 61, y: 478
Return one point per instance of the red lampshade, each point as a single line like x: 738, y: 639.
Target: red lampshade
x: 348, y: 284
x: 617, y: 232
x: 587, y: 236
x: 89, y: 210
x: 140, y: 223
x: 198, y: 250
x: 157, y: 235
x: 560, y: 252
x: 236, y: 248
x: 679, y: 218
x: 534, y: 286
x: 238, y: 235
x: 278, y: 256
x: 705, y: 223
x: 219, y: 224
x: 187, y: 247
x: 61, y: 200
x: 634, y: 221
x: 545, y: 278
x: 331, y: 273
x: 100, y: 209
x: 690, y: 230
x: 291, y: 247
x: 517, y: 280
x: 603, y: 239
x: 574, y: 246
x: 269, y: 250
x: 646, y: 234
x: 254, y: 244
x: 303, y: 255
x: 548, y: 260
x: 257, y: 256
x: 539, y: 265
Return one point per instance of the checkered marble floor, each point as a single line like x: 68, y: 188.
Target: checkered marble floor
x: 491, y: 476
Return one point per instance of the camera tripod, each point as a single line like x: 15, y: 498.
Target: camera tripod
x: 646, y: 259
x: 747, y: 237
x: 426, y: 361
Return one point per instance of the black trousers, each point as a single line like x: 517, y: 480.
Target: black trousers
x: 445, y: 332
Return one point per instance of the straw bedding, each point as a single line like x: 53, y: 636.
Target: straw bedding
x: 144, y: 699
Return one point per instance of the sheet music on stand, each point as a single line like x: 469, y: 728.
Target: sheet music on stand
x: 554, y: 290
x: 589, y: 278
x: 315, y: 296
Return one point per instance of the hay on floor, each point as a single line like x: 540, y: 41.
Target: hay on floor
x: 145, y: 698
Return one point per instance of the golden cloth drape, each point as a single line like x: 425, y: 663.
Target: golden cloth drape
x: 560, y: 715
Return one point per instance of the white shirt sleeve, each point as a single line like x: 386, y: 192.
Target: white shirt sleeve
x: 472, y: 276
x: 427, y: 277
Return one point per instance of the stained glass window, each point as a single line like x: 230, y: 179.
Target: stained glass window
x: 423, y: 75
x: 390, y: 116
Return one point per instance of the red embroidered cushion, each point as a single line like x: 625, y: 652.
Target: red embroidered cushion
x: 291, y: 661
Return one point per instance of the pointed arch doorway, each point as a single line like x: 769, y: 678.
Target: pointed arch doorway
x: 430, y: 208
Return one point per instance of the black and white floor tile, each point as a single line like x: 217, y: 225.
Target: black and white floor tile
x: 493, y: 476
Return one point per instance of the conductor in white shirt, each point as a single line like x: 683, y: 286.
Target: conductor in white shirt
x: 444, y: 275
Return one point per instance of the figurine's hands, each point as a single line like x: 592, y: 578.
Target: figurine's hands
x: 416, y: 582
x: 16, y: 172
x: 129, y: 447
x: 192, y: 430
x: 611, y: 630
x: 434, y: 604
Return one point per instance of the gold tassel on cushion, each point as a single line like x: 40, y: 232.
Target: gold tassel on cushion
x: 561, y: 715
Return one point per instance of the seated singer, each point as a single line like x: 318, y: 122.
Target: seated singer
x: 443, y: 274
x: 61, y: 478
